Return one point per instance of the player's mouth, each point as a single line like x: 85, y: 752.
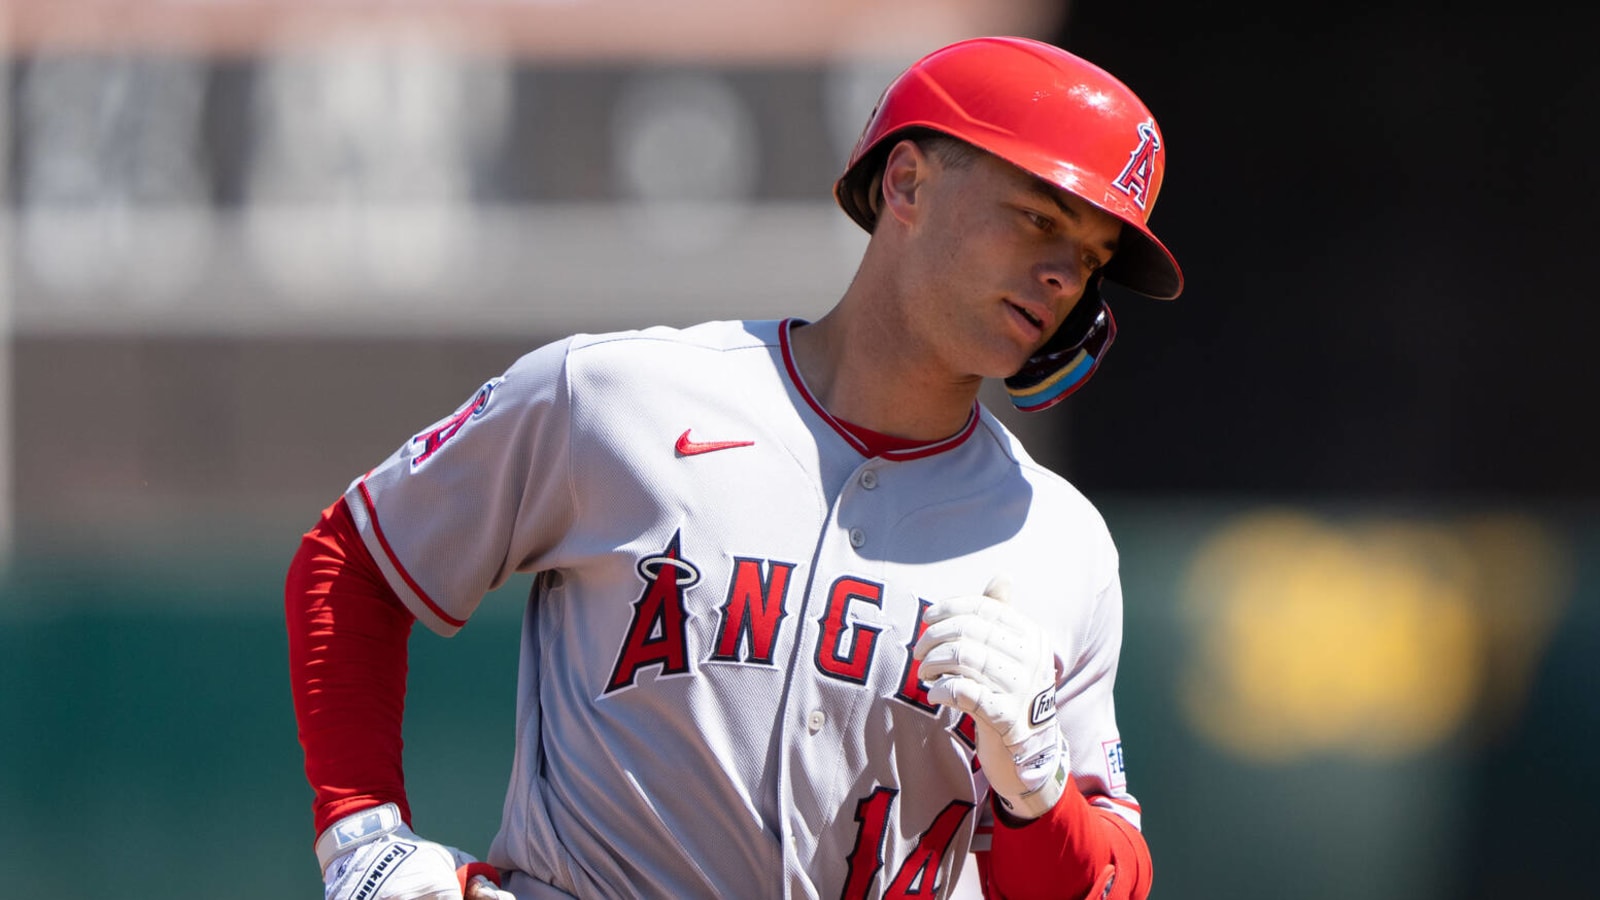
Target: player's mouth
x: 1035, y: 324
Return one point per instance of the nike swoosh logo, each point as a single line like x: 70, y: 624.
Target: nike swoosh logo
x: 687, y: 447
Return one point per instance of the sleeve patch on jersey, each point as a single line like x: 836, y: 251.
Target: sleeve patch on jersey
x: 1116, y: 767
x: 429, y: 442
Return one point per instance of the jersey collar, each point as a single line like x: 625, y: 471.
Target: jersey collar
x: 939, y: 446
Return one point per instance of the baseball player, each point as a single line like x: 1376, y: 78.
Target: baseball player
x: 807, y: 620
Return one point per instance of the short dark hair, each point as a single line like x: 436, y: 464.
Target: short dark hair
x: 866, y: 180
x: 949, y: 151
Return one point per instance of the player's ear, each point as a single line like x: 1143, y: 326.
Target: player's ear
x: 905, y: 170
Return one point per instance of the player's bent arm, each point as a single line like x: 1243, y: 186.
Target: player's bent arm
x: 1077, y: 850
x: 347, y: 661
x: 991, y: 660
x: 1081, y: 848
x: 347, y: 669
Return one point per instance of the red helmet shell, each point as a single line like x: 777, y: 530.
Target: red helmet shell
x: 1047, y: 111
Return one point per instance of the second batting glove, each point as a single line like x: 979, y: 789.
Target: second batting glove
x: 983, y: 657
x: 373, y: 855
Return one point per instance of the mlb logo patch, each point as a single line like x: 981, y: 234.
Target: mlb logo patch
x: 1116, y: 767
x: 354, y: 830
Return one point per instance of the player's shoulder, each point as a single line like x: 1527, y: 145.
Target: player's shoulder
x: 1055, y: 495
x: 663, y: 361
x: 657, y: 353
x: 715, y: 337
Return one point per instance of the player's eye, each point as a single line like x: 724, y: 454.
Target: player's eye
x: 1040, y: 221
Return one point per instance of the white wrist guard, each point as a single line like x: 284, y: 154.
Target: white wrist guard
x: 374, y: 855
x: 1029, y: 777
x: 356, y: 829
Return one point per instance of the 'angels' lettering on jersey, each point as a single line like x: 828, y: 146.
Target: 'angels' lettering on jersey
x: 753, y: 611
x: 845, y: 652
x: 656, y: 635
x: 912, y: 690
x: 749, y: 622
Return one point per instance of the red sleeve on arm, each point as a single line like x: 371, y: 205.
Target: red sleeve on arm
x: 347, y: 668
x: 1065, y: 854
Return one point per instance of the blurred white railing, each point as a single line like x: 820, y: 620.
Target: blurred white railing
x: 403, y: 271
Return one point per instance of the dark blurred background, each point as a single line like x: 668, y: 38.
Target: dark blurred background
x: 1384, y: 214
x: 252, y: 246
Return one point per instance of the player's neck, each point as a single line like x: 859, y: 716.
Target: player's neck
x: 858, y: 369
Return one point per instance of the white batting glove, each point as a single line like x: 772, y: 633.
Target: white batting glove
x: 983, y: 657
x: 373, y: 855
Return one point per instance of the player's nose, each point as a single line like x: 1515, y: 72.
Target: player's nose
x: 1063, y: 277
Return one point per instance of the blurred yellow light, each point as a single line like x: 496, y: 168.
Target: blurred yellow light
x: 1370, y: 639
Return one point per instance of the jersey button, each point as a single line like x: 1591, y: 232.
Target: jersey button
x: 815, y: 720
x: 857, y: 537
x: 869, y: 479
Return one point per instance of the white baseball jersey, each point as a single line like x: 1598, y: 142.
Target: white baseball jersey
x: 717, y: 695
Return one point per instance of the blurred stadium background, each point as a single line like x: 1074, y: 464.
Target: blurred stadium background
x: 249, y: 246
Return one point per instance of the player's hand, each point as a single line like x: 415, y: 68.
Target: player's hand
x: 372, y: 854
x: 983, y: 657
x: 479, y: 887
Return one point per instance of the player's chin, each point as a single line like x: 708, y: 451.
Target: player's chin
x: 1016, y: 348
x: 1003, y: 360
x: 998, y: 352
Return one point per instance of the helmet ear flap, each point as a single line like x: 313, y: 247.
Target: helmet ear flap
x: 1071, y: 355
x: 858, y: 194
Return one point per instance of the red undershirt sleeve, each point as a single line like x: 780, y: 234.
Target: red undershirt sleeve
x: 1075, y: 851
x: 347, y: 669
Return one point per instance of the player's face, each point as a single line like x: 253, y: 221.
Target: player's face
x: 1000, y: 257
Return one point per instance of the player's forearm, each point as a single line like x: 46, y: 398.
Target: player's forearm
x: 1064, y: 854
x: 347, y: 668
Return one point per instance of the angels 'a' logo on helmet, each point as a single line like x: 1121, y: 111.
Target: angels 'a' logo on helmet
x: 1136, y: 175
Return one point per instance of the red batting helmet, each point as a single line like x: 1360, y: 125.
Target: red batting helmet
x: 1046, y: 111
